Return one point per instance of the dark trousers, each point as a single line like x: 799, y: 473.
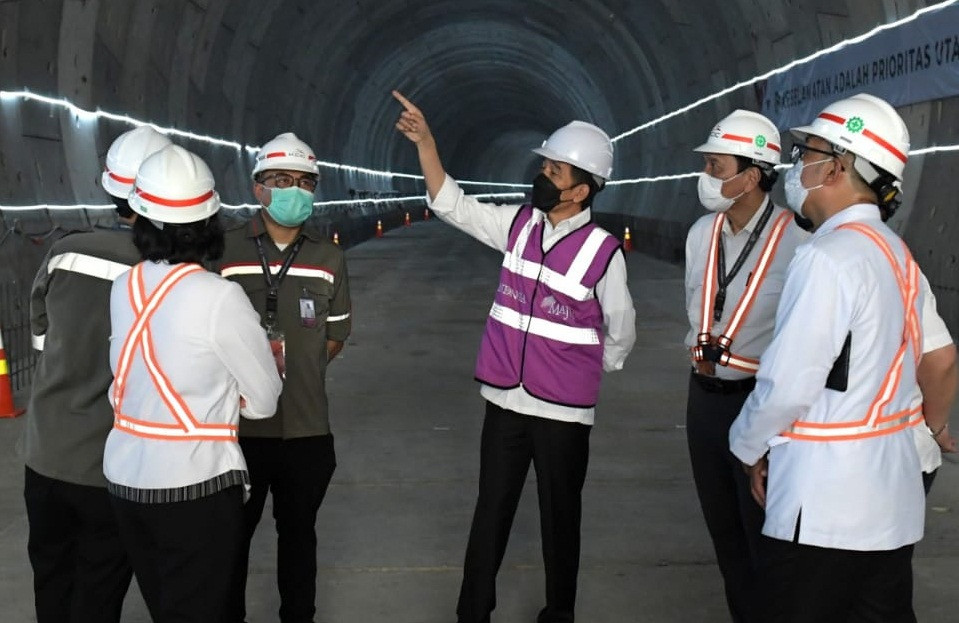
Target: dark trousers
x: 184, y: 553
x: 806, y: 584
x: 80, y: 569
x: 733, y: 517
x: 559, y: 452
x: 297, y: 472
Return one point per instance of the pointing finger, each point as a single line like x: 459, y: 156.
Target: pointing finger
x: 407, y: 104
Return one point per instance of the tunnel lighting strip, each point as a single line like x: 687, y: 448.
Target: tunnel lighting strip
x: 784, y: 68
x: 89, y: 115
x: 241, y: 206
x: 933, y: 149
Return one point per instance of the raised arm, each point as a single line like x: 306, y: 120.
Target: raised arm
x: 413, y: 125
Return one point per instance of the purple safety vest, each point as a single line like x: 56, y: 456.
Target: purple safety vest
x: 545, y: 329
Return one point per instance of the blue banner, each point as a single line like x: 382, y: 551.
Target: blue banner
x: 915, y: 62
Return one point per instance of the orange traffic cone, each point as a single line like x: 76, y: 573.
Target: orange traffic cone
x: 627, y: 241
x: 426, y: 214
x: 336, y: 237
x: 406, y: 220
x: 7, y: 409
x: 379, y: 228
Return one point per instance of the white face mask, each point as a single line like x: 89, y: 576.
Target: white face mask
x: 711, y: 192
x: 792, y: 185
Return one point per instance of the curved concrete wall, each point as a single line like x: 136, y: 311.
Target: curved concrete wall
x: 494, y: 77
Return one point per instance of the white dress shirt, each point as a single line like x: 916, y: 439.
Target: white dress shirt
x: 935, y: 335
x: 863, y: 494
x: 209, y: 343
x: 757, y: 331
x: 490, y: 224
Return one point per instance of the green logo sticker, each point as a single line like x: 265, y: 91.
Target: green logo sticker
x: 855, y: 124
x: 760, y: 140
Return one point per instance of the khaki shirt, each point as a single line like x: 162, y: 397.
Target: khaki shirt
x: 318, y: 274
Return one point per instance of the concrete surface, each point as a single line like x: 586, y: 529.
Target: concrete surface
x: 407, y: 417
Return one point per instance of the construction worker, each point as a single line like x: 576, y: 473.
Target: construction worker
x: 80, y: 570
x: 736, y: 259
x: 189, y: 356
x: 304, y: 302
x: 562, y: 314
x: 834, y: 401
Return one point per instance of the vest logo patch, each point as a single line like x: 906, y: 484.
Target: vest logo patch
x: 516, y: 295
x: 553, y: 308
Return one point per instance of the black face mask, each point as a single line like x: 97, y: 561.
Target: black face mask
x: 545, y: 193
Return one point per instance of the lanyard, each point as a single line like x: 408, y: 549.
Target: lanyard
x: 273, y: 286
x: 721, y: 277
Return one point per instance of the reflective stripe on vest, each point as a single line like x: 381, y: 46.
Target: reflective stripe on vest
x: 185, y: 427
x: 89, y: 265
x: 296, y: 270
x: 569, y: 284
x: 543, y: 327
x: 875, y: 423
x: 745, y: 304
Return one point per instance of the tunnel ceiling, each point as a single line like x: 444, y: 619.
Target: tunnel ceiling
x: 493, y: 76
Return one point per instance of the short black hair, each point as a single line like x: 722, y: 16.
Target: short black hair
x: 767, y: 172
x: 581, y: 176
x: 122, y: 206
x: 187, y: 242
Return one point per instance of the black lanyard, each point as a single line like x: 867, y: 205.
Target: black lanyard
x: 721, y: 277
x: 273, y: 286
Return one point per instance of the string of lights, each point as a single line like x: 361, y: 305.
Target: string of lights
x: 82, y: 114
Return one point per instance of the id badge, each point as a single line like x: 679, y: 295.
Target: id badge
x: 307, y: 312
x: 278, y: 348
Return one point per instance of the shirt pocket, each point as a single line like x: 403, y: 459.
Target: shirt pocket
x: 320, y: 292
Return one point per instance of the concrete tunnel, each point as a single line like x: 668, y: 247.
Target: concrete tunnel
x: 493, y: 77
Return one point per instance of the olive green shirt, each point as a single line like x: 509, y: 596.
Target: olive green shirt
x: 317, y: 278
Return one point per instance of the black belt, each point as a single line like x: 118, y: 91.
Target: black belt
x: 716, y: 385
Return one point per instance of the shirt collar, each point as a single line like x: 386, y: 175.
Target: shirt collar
x: 255, y: 227
x: 751, y: 225
x: 855, y: 212
x: 567, y: 225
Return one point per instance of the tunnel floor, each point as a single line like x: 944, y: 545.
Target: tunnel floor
x: 407, y: 416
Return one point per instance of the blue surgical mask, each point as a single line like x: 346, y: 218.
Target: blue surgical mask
x: 290, y: 207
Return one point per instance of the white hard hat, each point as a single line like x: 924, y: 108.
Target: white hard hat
x: 582, y: 145
x: 286, y: 152
x: 125, y: 156
x: 174, y: 186
x: 747, y: 134
x: 868, y: 127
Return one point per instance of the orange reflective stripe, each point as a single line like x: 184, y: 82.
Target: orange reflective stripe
x: 874, y: 424
x: 710, y: 281
x: 760, y: 271
x: 140, y: 338
x: 745, y: 303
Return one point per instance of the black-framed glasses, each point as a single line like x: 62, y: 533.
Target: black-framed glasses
x: 799, y: 149
x: 285, y: 180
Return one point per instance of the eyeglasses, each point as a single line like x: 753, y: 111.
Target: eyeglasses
x: 799, y: 149
x: 285, y: 180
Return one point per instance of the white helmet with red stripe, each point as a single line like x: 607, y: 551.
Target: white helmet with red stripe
x: 125, y: 156
x: 286, y: 152
x: 174, y: 186
x: 747, y: 134
x: 869, y: 128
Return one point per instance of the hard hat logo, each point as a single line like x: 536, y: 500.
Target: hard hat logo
x: 855, y: 124
x: 760, y: 141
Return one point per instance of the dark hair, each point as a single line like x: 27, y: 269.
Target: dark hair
x: 767, y: 173
x: 122, y: 206
x: 581, y: 176
x: 186, y: 242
